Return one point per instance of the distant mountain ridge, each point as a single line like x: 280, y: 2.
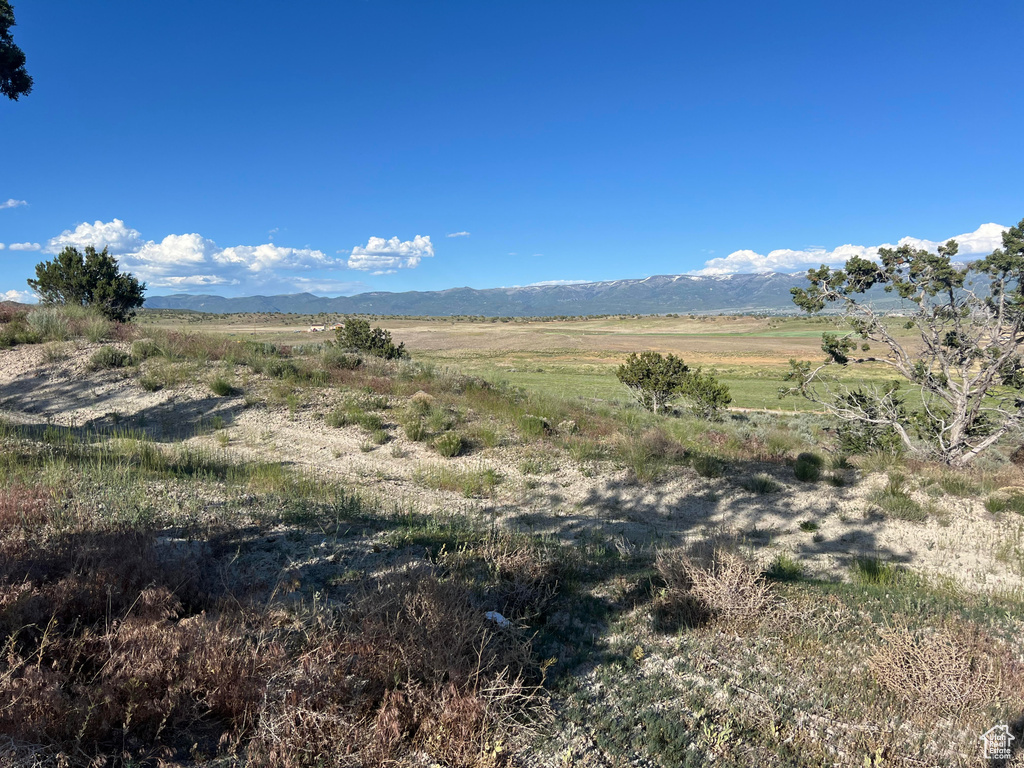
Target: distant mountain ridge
x: 659, y: 294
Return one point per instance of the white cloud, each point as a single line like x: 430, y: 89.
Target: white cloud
x: 2, y: 246
x: 12, y: 203
x: 383, y: 257
x: 981, y: 242
x: 193, y: 261
x: 25, y: 247
x: 114, y: 235
x: 458, y: 234
x: 22, y: 297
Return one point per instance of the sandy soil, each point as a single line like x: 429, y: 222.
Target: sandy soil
x: 964, y: 543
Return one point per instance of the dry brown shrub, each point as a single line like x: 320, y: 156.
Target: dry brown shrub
x: 10, y: 311
x: 524, y: 580
x: 112, y: 648
x: 414, y: 666
x: 24, y: 506
x: 124, y: 331
x: 715, y: 438
x: 657, y: 442
x: 422, y: 398
x: 954, y: 669
x: 723, y: 585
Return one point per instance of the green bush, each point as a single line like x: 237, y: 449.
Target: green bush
x: 531, y: 426
x: 221, y: 387
x: 708, y: 466
x: 108, y: 357
x: 50, y: 324
x: 415, y: 430
x: 704, y: 395
x: 144, y: 349
x: 862, y: 437
x: 357, y: 334
x: 92, y: 279
x: 761, y: 483
x: 449, y: 444
x: 655, y: 381
x: 334, y: 358
x: 808, y: 467
x: 895, y: 500
x: 785, y: 568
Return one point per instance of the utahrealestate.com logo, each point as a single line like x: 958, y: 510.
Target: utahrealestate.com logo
x: 997, y: 742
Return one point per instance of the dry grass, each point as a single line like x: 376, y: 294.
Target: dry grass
x: 722, y: 585
x: 415, y: 665
x: 116, y: 647
x: 951, y: 670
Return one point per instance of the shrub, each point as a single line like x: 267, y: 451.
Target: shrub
x: 761, y: 483
x: 808, y: 467
x: 708, y: 466
x: 896, y: 502
x: 108, y: 357
x: 144, y: 349
x: 725, y: 585
x: 421, y: 403
x: 655, y: 381
x: 222, y: 387
x: 946, y: 671
x: 334, y: 358
x: 357, y: 334
x: 415, y: 430
x: 785, y: 568
x: 652, y: 379
x: 449, y: 444
x: 90, y: 280
x: 532, y: 427
x: 50, y: 324
x: 704, y: 395
x: 97, y: 329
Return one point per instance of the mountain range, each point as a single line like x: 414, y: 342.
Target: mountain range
x: 659, y: 294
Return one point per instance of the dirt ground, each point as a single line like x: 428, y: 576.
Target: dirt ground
x: 962, y: 543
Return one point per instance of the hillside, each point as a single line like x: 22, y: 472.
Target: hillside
x: 659, y: 294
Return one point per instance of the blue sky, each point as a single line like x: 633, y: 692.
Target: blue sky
x: 337, y: 146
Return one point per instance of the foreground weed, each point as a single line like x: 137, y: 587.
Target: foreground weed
x: 479, y: 482
x: 895, y: 500
x: 108, y: 357
x: 761, y: 484
x: 449, y: 444
x: 785, y: 568
x: 872, y: 571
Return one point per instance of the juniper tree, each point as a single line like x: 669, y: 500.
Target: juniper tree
x: 963, y: 356
x: 92, y: 279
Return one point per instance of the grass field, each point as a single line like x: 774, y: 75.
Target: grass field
x: 576, y: 358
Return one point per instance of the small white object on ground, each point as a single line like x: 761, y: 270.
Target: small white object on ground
x: 498, y: 619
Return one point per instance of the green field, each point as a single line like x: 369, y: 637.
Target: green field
x: 577, y: 358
